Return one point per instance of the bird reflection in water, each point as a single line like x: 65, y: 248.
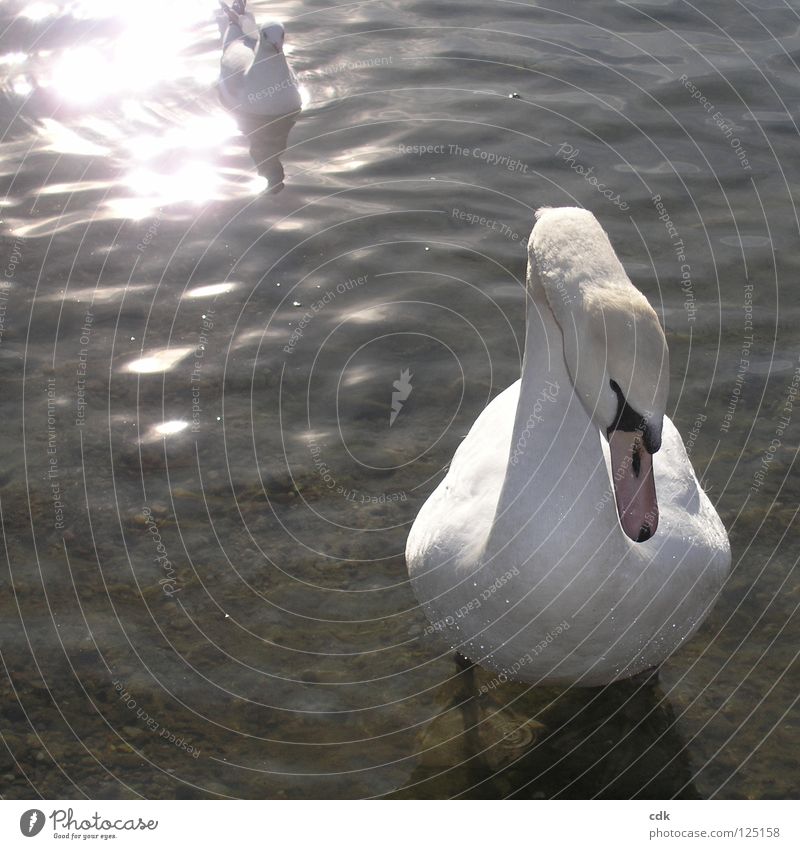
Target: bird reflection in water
x: 258, y: 87
x: 620, y: 741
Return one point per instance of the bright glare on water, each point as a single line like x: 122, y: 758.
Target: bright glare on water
x: 208, y: 470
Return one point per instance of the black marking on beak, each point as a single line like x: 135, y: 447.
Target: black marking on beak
x: 629, y: 420
x: 636, y: 465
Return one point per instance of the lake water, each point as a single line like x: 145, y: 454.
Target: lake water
x: 205, y: 494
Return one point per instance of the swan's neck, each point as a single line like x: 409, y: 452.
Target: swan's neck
x: 556, y: 472
x: 544, y: 346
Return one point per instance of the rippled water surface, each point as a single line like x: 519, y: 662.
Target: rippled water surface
x: 204, y: 505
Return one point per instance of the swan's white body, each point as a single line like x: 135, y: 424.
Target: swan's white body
x: 518, y: 556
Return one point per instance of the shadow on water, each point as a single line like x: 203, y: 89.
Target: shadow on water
x: 615, y: 742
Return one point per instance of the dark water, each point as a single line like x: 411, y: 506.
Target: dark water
x: 204, y: 506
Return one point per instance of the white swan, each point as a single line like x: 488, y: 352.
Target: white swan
x: 526, y: 555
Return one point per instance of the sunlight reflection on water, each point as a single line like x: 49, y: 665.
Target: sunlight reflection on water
x: 158, y: 361
x: 91, y: 97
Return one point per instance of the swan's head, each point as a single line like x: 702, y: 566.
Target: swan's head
x: 614, y: 349
x: 272, y: 34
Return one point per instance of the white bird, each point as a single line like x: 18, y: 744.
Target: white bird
x: 255, y: 77
x: 258, y: 86
x: 570, y: 541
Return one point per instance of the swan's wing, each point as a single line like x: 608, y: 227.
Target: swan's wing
x: 688, y: 509
x: 479, y: 465
x: 454, y: 522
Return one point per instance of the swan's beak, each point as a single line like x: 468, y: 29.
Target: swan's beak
x: 634, y: 484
